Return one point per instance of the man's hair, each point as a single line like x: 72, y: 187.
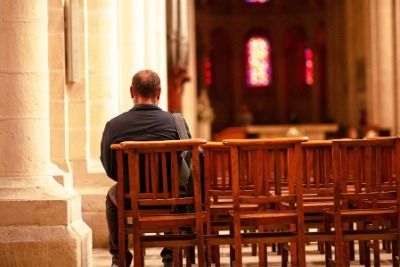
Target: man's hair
x: 146, y: 83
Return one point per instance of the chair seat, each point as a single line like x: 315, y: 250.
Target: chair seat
x: 318, y: 198
x: 226, y: 207
x: 313, y: 206
x: 265, y: 217
x: 165, y: 222
x: 383, y: 203
x: 362, y: 215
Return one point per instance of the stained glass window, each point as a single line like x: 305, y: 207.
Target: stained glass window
x: 258, y: 61
x: 256, y: 1
x: 207, y: 72
x: 309, y: 66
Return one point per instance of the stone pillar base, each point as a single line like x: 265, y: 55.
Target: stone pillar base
x: 41, y: 225
x: 46, y: 245
x: 94, y: 213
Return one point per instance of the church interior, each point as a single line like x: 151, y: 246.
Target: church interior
x: 326, y: 69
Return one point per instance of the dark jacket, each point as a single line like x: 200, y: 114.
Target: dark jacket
x: 142, y: 123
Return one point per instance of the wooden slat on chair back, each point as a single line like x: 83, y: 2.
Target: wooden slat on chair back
x: 155, y: 179
x: 217, y: 163
x: 317, y: 168
x: 217, y: 168
x: 365, y: 169
x: 273, y: 165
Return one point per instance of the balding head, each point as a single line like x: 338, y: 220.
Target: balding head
x: 146, y: 84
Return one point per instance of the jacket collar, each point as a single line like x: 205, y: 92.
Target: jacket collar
x: 145, y: 107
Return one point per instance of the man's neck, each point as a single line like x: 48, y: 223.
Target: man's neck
x: 145, y: 101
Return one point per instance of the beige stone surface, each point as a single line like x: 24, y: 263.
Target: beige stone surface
x: 20, y: 139
x: 57, y: 115
x: 29, y: 84
x: 93, y: 211
x: 99, y: 21
x: 46, y: 245
x: 77, y: 150
x: 57, y: 85
x: 99, y: 115
x: 97, y: 221
x: 104, y: 84
x: 27, y: 36
x: 56, y: 19
x: 77, y: 111
x: 23, y: 9
x: 56, y: 51
x: 55, y: 4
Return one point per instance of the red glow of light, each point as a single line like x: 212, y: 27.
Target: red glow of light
x: 207, y: 72
x: 309, y: 66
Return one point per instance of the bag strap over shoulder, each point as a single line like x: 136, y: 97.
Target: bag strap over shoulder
x: 185, y: 168
x: 180, y: 125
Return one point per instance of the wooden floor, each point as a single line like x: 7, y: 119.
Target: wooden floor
x: 102, y: 258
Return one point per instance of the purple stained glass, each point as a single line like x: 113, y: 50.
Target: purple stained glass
x: 258, y: 62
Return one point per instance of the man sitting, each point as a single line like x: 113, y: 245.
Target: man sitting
x: 144, y: 122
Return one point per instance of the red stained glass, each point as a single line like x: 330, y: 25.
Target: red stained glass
x: 309, y: 66
x: 207, y: 72
x: 256, y: 1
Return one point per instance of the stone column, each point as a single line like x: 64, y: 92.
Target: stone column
x: 189, y: 97
x: 92, y: 105
x: 149, y: 35
x: 381, y: 93
x: 122, y: 37
x: 397, y: 64
x: 41, y: 223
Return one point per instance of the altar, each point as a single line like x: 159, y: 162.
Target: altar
x: 316, y: 131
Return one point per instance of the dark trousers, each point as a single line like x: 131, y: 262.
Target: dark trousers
x: 112, y: 222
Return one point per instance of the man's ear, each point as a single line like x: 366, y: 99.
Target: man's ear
x: 158, y: 94
x: 132, y: 94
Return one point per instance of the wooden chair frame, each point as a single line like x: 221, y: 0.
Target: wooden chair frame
x: 147, y: 165
x: 281, y: 158
x: 366, y: 175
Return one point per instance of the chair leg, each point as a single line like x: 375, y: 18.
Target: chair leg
x: 362, y: 245
x: 285, y: 257
x: 262, y: 255
x: 396, y: 253
x: 366, y: 256
x: 328, y: 251
x: 137, y: 251
x: 376, y: 253
x: 192, y: 255
x: 253, y: 249
x: 293, y: 254
x: 339, y: 244
x: 237, y: 241
x: 217, y: 257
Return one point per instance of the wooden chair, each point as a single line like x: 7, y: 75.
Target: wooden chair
x: 153, y: 200
x: 366, y: 197
x: 317, y: 188
x: 218, y: 197
x: 274, y: 166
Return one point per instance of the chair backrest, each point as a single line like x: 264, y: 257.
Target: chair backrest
x: 154, y: 173
x: 217, y: 171
x: 273, y: 166
x: 317, y: 168
x: 366, y: 170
